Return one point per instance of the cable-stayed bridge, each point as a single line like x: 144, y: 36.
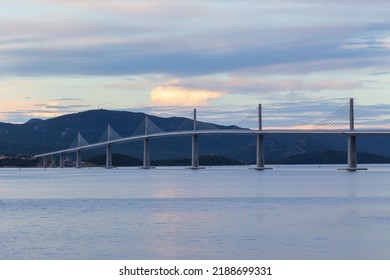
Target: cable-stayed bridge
x: 341, y: 122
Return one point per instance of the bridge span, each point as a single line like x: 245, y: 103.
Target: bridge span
x: 351, y: 133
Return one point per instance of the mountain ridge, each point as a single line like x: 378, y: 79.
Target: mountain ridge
x: 39, y: 136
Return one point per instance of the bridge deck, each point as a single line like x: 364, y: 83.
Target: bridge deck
x: 217, y: 132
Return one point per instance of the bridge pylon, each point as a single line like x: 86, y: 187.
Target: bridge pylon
x: 195, y: 146
x: 352, y: 148
x: 108, y: 149
x: 146, y: 158
x: 260, y: 155
x: 78, y: 152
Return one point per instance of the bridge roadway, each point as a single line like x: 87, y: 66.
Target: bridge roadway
x: 193, y: 133
x: 215, y: 132
x: 260, y: 133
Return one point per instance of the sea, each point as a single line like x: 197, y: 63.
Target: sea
x: 304, y: 212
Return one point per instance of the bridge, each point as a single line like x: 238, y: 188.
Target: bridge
x: 334, y: 125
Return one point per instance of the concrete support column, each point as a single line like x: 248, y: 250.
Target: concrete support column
x: 195, y: 147
x: 352, y: 152
x: 108, y: 156
x: 62, y: 161
x: 52, y: 161
x: 260, y: 142
x: 146, y: 164
x: 260, y: 155
x: 78, y: 159
x: 260, y: 152
x: 195, y: 152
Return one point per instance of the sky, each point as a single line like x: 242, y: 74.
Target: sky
x: 300, y: 59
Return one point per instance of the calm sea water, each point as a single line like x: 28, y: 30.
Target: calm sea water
x: 290, y: 212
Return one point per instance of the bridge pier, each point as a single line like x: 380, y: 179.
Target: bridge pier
x: 260, y: 162
x: 146, y: 159
x: 146, y: 162
x: 352, y: 155
x: 260, y: 155
x: 52, y: 161
x: 195, y: 152
x: 78, y: 159
x: 352, y: 149
x: 62, y: 161
x: 352, y: 152
x: 195, y: 148
x: 108, y: 156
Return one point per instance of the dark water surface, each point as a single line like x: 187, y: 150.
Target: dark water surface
x: 290, y: 212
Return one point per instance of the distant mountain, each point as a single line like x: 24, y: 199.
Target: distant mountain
x: 39, y: 136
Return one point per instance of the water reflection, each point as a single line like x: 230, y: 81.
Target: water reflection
x: 218, y: 213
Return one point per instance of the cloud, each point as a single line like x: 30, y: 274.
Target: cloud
x: 240, y: 83
x: 53, y: 106
x: 177, y: 96
x: 376, y: 42
x: 299, y: 114
x: 259, y: 50
x: 182, y: 37
x: 22, y: 110
x: 67, y: 99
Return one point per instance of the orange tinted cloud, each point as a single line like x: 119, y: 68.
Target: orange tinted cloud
x: 178, y: 96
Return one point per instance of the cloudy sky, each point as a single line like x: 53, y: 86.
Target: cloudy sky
x: 301, y: 59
